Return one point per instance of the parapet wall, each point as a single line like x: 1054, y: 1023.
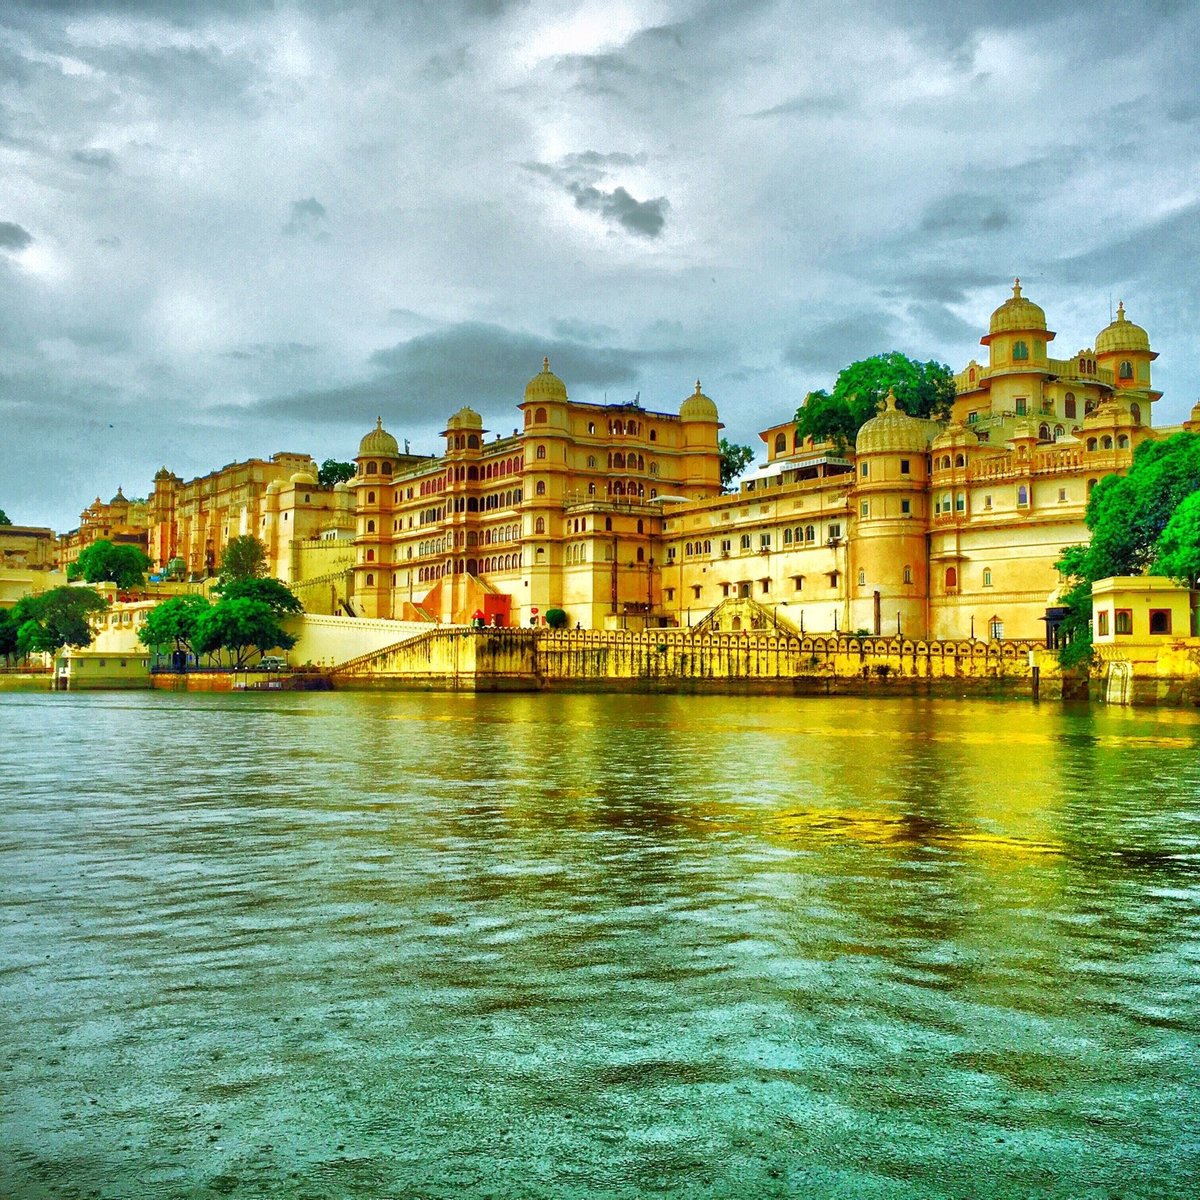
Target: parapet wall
x: 675, y: 660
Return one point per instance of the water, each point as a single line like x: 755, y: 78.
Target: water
x: 358, y: 945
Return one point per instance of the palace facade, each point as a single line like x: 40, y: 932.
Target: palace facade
x: 615, y: 514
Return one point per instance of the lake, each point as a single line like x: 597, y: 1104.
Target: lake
x: 402, y: 945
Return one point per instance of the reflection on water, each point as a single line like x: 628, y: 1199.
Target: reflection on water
x: 423, y: 945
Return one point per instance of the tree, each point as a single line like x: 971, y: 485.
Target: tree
x: 278, y: 596
x: 55, y: 619
x: 1177, y: 551
x: 332, y: 472
x: 921, y: 390
x: 240, y: 626
x: 1132, y: 519
x: 8, y: 635
x: 4, y: 518
x: 734, y: 460
x: 102, y: 562
x: 556, y: 618
x: 244, y: 557
x: 173, y: 623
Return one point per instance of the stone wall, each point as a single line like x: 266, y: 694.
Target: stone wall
x: 326, y: 641
x: 676, y: 660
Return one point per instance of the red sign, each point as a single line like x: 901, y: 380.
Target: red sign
x: 533, y: 612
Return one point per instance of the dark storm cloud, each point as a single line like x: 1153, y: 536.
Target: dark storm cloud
x: 805, y: 106
x: 102, y: 160
x: 830, y: 346
x: 643, y: 217
x: 308, y: 219
x: 270, y: 351
x: 13, y: 237
x: 1153, y: 252
x: 582, y: 331
x: 470, y: 363
x: 965, y: 215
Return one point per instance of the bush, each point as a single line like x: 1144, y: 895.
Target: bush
x: 556, y: 618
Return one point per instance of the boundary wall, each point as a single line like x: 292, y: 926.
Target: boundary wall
x: 457, y: 658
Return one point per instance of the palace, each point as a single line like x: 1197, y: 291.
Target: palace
x: 616, y: 515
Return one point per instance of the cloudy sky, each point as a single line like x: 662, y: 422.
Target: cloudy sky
x: 231, y: 227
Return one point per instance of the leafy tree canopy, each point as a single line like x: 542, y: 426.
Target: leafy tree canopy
x: 922, y: 389
x: 332, y: 472
x: 4, y: 518
x: 8, y: 634
x: 1147, y: 518
x: 239, y: 626
x: 278, y: 596
x: 55, y: 619
x: 173, y: 623
x: 734, y: 460
x: 244, y: 557
x: 102, y: 562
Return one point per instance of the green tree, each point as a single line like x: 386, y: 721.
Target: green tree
x: 922, y: 389
x: 173, y: 623
x: 278, y: 596
x: 244, y: 557
x: 332, y: 472
x: 102, y: 562
x: 1129, y: 517
x: 4, y: 518
x: 240, y: 626
x: 734, y: 460
x: 1177, y: 551
x: 556, y: 618
x: 57, y: 618
x: 8, y: 635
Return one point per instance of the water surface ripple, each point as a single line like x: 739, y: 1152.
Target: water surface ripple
x: 356, y: 945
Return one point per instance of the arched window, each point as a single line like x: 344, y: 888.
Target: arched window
x: 1069, y: 409
x: 960, y: 460
x: 370, y: 526
x: 1107, y: 442
x: 996, y: 629
x: 608, y: 524
x: 472, y: 474
x: 370, y: 556
x: 1020, y: 351
x: 640, y: 526
x: 1058, y: 432
x: 1135, y: 413
x: 370, y: 497
x: 591, y: 462
x: 370, y: 580
x: 780, y: 443
x: 372, y: 468
x: 1126, y: 371
x: 540, y: 452
x: 539, y: 416
x: 387, y: 468
x: 908, y: 576
x: 862, y: 578
x: 472, y: 441
x: 539, y: 526
x: 618, y: 460
x: 951, y: 578
x: 1043, y: 432
x: 654, y: 435
x: 960, y: 502
x: 987, y: 576
x: 1091, y: 443
x: 810, y: 533
x: 641, y: 554
x: 787, y: 537
x: 1122, y: 442
x: 541, y: 487
x: 1022, y: 496
x: 1160, y: 620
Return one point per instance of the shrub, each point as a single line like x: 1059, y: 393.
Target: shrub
x: 556, y: 618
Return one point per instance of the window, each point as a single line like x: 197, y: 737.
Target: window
x: 1062, y: 495
x: 972, y: 417
x: 539, y: 416
x: 810, y: 533
x: 591, y: 427
x: 745, y: 541
x: 780, y: 443
x: 764, y: 541
x: 905, y: 508
x: 370, y: 580
x: 1021, y: 402
x: 959, y: 461
x: 370, y: 526
x: 960, y: 502
x: 540, y: 452
x: 370, y: 497
x: 1022, y: 497
x: 726, y: 546
x: 591, y: 461
x: 1043, y: 432
x: 835, y: 531
x: 951, y: 578
x: 540, y: 525
x: 833, y: 579
x: 987, y: 576
x: 1020, y: 351
x: 1069, y: 409
x: 695, y: 592
x: 1102, y: 623
x: 1122, y: 442
x: 798, y: 581
x: 608, y: 524
x: 1107, y: 442
x: 1135, y: 413
x: 724, y: 589
x: 1160, y: 620
x: 1091, y: 443
x: 540, y: 489
x: 904, y: 467
x: 862, y: 577
x: 787, y: 537
x: 865, y: 469
x: 1126, y: 371
x: 1123, y: 620
x: 864, y: 509
x: 996, y: 629
x: 908, y: 575
x: 670, y: 554
x: 370, y: 556
x: 372, y: 468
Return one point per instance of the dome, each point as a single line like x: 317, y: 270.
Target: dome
x: 341, y: 486
x: 305, y: 478
x: 546, y: 387
x: 1122, y: 335
x: 119, y: 498
x: 1016, y: 314
x: 698, y: 407
x: 274, y: 487
x: 161, y: 473
x: 466, y: 418
x: 893, y: 430
x: 379, y: 442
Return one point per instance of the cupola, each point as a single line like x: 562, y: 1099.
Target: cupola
x: 892, y: 430
x: 698, y: 407
x: 378, y: 442
x: 1123, y: 335
x: 545, y: 387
